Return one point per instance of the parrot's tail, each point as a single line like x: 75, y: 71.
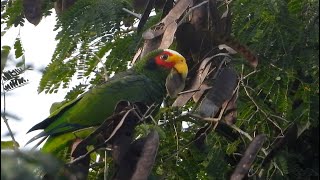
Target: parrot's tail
x: 40, y: 135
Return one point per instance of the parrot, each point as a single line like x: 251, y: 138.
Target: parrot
x: 145, y: 83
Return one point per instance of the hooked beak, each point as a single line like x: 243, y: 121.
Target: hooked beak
x: 176, y: 79
x: 180, y: 64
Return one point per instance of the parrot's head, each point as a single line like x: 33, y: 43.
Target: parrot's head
x: 173, y: 63
x: 171, y: 59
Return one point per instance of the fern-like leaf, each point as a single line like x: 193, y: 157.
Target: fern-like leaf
x: 15, y: 83
x: 12, y: 74
x: 12, y: 79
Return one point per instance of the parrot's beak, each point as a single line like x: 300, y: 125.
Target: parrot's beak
x: 180, y: 64
x: 176, y: 80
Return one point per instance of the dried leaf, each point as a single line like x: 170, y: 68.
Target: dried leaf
x: 76, y: 142
x: 168, y: 35
x: 154, y: 31
x: 81, y: 168
x: 172, y: 16
x: 176, y: 12
x: 223, y: 87
x: 237, y: 46
x: 197, y: 81
x: 197, y: 96
x: 228, y: 48
x: 148, y: 156
x: 139, y: 159
x: 150, y: 45
x: 136, y: 56
x: 225, y: 14
x: 123, y: 137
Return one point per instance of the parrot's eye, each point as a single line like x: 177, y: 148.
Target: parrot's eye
x: 164, y: 57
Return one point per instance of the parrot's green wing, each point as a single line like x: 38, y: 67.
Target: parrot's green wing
x: 59, y: 111
x: 93, y: 107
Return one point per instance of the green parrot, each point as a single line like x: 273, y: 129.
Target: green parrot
x: 145, y: 82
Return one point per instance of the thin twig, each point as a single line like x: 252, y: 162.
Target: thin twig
x: 147, y: 114
x: 262, y: 111
x: 249, y: 74
x: 247, y: 135
x: 132, y: 13
x: 15, y: 143
x: 10, y: 132
x: 105, y: 72
x: 279, y: 117
x: 224, y: 106
x: 203, y: 118
x: 192, y: 90
x: 256, y: 104
x: 189, y: 115
x: 241, y: 132
x: 182, y: 147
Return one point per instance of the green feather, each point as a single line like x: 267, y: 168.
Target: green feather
x: 61, y: 145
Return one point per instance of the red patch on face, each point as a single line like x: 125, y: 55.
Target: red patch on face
x: 162, y: 62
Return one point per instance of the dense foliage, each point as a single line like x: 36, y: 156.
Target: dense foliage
x: 280, y: 98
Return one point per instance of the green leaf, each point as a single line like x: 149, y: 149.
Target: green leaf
x: 18, y: 48
x: 4, y: 56
x: 231, y: 148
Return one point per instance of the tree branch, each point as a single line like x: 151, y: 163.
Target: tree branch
x: 249, y: 156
